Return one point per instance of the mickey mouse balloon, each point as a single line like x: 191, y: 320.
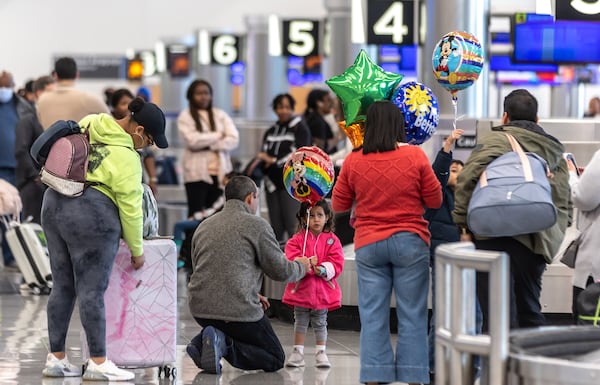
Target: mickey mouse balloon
x: 457, y: 61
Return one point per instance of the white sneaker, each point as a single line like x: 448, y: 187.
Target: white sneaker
x: 60, y: 368
x: 107, y: 371
x: 296, y: 359
x: 321, y: 360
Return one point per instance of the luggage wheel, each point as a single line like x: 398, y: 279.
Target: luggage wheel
x: 167, y: 370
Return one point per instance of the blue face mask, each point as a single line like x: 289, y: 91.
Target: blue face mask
x: 6, y: 94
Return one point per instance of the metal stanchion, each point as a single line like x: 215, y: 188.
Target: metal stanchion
x: 456, y: 340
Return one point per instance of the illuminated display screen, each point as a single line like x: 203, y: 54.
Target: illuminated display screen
x: 560, y: 42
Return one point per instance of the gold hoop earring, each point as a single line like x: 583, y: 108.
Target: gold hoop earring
x: 139, y: 144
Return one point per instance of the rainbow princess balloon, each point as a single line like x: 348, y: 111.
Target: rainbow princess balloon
x: 308, y: 174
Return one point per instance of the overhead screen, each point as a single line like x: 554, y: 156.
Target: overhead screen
x: 504, y: 63
x: 559, y: 42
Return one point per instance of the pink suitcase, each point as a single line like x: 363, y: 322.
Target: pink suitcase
x: 141, y: 308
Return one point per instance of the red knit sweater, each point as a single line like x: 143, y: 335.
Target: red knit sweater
x: 390, y: 190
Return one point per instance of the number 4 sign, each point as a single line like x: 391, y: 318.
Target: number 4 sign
x: 391, y: 22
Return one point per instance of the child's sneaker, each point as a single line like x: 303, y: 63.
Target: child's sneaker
x: 296, y: 359
x: 107, y: 371
x: 321, y: 360
x: 60, y: 368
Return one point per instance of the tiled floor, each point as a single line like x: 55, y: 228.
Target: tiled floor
x: 23, y: 348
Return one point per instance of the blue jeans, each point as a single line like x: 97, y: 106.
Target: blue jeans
x: 181, y: 227
x: 8, y: 174
x: 399, y: 263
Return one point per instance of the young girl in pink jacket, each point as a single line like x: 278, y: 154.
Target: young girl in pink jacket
x: 318, y: 292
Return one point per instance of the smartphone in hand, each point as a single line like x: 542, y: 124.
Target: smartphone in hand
x: 569, y: 157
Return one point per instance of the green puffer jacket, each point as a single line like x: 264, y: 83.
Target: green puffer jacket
x: 532, y: 138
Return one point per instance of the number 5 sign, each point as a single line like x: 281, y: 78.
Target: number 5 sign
x: 391, y: 22
x: 301, y: 38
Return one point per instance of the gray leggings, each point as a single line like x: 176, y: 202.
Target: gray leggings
x: 83, y: 238
x: 317, y: 318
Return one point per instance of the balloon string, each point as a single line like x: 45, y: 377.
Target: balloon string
x: 455, y: 106
x: 306, y: 233
x: 304, y: 246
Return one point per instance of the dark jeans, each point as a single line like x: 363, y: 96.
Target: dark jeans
x: 576, y: 292
x: 32, y: 195
x: 83, y: 238
x: 251, y: 345
x: 525, y: 285
x: 282, y: 214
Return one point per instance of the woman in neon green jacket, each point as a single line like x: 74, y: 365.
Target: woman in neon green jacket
x: 83, y: 233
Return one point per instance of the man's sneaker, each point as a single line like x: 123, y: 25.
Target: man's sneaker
x: 60, y: 368
x: 107, y: 371
x: 214, y: 347
x: 296, y: 359
x: 195, y: 353
x: 321, y: 360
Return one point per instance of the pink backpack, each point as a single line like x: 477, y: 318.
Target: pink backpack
x: 66, y: 166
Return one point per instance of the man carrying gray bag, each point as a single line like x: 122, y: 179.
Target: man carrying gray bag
x: 531, y: 241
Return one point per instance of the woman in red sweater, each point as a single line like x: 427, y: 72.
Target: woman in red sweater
x: 390, y: 183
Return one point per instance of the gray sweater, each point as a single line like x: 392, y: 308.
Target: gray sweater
x: 230, y: 252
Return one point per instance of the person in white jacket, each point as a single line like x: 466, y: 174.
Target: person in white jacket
x: 208, y: 135
x: 585, y: 192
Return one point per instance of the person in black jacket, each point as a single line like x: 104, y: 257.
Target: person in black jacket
x: 27, y: 173
x: 287, y: 135
x: 442, y: 226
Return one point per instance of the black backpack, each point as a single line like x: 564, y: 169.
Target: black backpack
x: 588, y: 305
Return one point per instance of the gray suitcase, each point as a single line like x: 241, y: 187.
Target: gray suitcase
x: 28, y: 245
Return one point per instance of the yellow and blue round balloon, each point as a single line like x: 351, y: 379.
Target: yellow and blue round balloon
x: 420, y: 109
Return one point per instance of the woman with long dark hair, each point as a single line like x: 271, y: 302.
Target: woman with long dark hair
x: 390, y: 183
x: 209, y: 135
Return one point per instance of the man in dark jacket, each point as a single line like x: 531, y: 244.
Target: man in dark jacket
x: 444, y: 230
x: 528, y: 253
x: 12, y: 108
x: 28, y: 180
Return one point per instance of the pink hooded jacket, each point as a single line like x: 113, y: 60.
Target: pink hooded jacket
x: 312, y: 291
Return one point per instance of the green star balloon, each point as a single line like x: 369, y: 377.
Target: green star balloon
x: 361, y: 84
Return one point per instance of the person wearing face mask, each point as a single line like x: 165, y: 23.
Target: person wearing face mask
x: 119, y: 104
x: 83, y: 234
x: 12, y: 109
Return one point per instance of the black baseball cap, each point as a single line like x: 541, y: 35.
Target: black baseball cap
x: 151, y: 117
